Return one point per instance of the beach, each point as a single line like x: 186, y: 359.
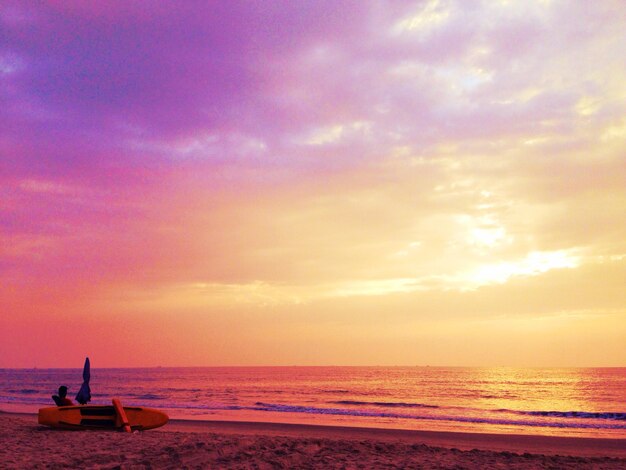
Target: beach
x: 215, y: 444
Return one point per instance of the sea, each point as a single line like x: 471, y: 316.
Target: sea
x: 583, y: 402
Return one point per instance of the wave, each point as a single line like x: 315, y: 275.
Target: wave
x: 283, y: 408
x: 315, y: 410
x: 182, y: 390
x: 383, y: 404
x: 24, y: 391
x: 148, y: 396
x: 26, y: 400
x: 576, y: 414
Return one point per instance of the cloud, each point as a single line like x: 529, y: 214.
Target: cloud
x: 299, y: 155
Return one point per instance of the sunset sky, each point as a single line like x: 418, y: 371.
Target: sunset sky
x: 303, y: 183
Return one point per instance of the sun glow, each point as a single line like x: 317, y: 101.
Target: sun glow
x: 266, y: 294
x: 533, y: 264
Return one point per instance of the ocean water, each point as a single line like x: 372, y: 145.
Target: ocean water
x: 589, y: 402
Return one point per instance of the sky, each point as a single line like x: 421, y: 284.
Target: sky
x: 313, y: 183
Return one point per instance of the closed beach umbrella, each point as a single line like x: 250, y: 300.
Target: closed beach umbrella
x: 84, y: 394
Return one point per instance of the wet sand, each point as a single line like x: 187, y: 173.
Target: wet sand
x: 221, y: 444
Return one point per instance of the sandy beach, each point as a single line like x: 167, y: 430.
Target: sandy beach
x: 214, y: 444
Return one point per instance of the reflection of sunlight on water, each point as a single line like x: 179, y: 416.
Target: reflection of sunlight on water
x: 557, y: 397
x: 540, y: 389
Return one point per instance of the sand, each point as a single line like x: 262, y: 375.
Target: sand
x: 212, y: 444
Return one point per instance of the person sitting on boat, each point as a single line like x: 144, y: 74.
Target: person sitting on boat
x: 61, y: 399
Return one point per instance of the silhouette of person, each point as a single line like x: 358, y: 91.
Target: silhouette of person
x: 61, y: 399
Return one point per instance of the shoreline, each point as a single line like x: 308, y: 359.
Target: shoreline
x: 519, y: 443
x: 585, y: 447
